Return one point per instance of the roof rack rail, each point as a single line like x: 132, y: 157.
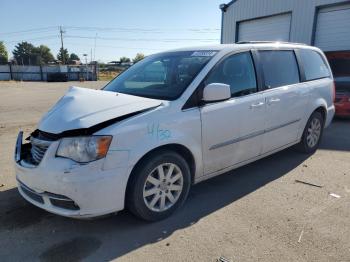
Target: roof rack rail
x: 267, y: 42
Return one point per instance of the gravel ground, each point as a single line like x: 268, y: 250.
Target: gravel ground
x: 255, y: 213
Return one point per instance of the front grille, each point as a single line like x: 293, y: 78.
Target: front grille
x: 39, y: 143
x: 337, y: 99
x: 38, y: 149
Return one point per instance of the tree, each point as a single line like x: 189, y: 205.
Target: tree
x: 138, y: 57
x: 3, y: 54
x: 63, y: 55
x: 124, y: 60
x: 73, y: 57
x: 27, y: 54
x: 24, y: 53
x: 44, y: 54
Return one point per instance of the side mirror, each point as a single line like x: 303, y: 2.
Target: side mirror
x: 215, y: 92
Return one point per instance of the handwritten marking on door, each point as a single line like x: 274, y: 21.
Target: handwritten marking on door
x: 154, y: 131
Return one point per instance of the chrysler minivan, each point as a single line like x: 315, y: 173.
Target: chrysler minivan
x: 170, y: 121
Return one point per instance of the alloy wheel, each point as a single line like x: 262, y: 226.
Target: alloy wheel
x: 163, y: 187
x: 313, y: 132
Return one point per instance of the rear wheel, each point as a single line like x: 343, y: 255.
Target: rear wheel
x: 159, y: 185
x: 312, y: 133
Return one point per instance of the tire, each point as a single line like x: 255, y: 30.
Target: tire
x: 312, y: 136
x: 146, y: 190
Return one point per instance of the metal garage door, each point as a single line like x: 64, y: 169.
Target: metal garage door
x: 333, y: 28
x: 271, y: 28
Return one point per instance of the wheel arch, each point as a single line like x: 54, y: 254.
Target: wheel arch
x: 323, y: 111
x: 178, y: 148
x: 318, y: 105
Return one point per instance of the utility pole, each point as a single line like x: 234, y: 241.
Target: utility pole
x: 61, y: 33
x: 95, y: 47
x: 86, y: 68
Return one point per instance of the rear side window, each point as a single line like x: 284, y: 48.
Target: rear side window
x: 237, y: 71
x: 280, y: 68
x: 314, y: 66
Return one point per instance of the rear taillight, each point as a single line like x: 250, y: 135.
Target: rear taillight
x: 333, y: 91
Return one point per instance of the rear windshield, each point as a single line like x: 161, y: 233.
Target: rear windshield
x: 161, y: 76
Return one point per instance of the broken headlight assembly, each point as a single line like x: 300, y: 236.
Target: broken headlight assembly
x: 84, y: 149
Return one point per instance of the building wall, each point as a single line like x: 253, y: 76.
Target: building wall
x: 303, y: 16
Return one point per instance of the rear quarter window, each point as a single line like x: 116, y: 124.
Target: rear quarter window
x: 313, y: 64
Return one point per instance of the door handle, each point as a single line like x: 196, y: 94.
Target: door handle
x: 273, y: 100
x: 256, y: 105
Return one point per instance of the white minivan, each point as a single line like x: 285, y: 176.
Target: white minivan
x: 170, y: 121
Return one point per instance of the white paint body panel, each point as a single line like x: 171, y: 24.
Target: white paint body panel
x: 216, y: 92
x: 228, y: 122
x: 83, y: 108
x: 99, y: 187
x: 285, y: 107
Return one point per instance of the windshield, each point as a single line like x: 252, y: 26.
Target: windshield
x: 161, y: 76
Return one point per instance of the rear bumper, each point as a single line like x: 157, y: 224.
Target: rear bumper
x: 330, y: 115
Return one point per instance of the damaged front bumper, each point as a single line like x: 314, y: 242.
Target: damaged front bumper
x: 66, y: 188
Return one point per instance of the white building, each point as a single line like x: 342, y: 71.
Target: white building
x: 323, y: 23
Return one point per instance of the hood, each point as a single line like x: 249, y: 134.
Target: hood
x: 82, y: 108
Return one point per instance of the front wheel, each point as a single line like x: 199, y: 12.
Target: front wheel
x: 159, y: 185
x: 312, y: 134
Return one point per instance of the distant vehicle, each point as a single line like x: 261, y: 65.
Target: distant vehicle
x: 172, y: 120
x: 340, y: 64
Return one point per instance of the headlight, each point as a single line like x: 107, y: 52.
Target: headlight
x: 84, y: 149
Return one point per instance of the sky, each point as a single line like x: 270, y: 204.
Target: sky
x: 106, y: 30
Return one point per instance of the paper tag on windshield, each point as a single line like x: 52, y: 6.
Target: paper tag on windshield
x: 204, y: 53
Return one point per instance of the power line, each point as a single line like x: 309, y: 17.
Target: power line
x: 145, y: 39
x: 139, y: 29
x: 165, y: 40
x: 111, y: 46
x: 32, y: 39
x: 38, y: 30
x: 112, y: 29
x: 62, y: 36
x: 28, y: 34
